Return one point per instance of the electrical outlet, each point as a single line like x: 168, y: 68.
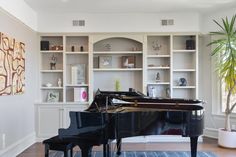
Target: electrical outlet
x: 3, y: 141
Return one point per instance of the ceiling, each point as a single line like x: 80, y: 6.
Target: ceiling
x: 128, y: 6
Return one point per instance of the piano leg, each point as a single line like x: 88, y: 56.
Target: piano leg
x: 118, y: 145
x: 106, y: 150
x: 193, y: 141
x: 46, y: 150
x: 86, y: 151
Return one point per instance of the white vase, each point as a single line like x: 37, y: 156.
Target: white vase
x: 227, y: 138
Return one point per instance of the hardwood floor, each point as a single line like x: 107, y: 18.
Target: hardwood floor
x: 37, y: 149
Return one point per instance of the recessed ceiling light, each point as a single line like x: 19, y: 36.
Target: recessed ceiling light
x: 64, y: 1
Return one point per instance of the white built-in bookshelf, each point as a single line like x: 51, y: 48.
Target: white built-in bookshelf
x: 151, y: 63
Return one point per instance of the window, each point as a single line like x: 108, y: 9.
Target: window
x: 224, y: 97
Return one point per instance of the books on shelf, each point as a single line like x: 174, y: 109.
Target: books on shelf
x: 78, y: 74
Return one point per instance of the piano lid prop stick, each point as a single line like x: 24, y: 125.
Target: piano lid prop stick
x: 106, y: 103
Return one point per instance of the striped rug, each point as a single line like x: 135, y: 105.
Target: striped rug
x: 143, y: 154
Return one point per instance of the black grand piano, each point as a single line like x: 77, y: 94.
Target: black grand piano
x: 116, y: 115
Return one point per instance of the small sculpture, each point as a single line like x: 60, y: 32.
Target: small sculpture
x: 117, y: 85
x: 53, y: 63
x: 190, y: 43
x: 156, y: 46
x: 59, y: 82
x: 107, y: 47
x: 81, y: 48
x: 48, y: 84
x: 182, y: 82
x: 127, y: 64
x: 152, y: 92
x: 158, y: 77
x: 72, y: 48
x: 168, y: 92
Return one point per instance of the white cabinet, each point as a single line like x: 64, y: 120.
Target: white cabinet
x: 51, y: 117
x: 48, y: 119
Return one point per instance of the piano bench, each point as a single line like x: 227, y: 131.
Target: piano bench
x: 55, y: 143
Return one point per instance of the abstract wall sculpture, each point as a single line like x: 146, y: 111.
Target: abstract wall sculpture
x: 12, y: 66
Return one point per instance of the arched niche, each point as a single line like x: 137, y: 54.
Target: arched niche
x: 117, y: 44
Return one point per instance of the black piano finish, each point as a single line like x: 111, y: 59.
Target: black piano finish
x: 116, y: 115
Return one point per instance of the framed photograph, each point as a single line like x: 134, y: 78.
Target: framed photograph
x: 53, y: 97
x: 128, y: 62
x: 78, y: 74
x: 105, y: 61
x: 151, y: 91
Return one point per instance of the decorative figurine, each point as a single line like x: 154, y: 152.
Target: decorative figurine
x: 168, y: 92
x: 190, y: 43
x: 107, y: 47
x: 81, y: 48
x: 59, y: 82
x: 158, y: 77
x: 53, y: 63
x: 72, y: 48
x: 152, y: 92
x: 117, y: 85
x: 182, y: 82
x: 156, y: 46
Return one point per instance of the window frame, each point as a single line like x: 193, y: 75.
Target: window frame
x: 217, y: 107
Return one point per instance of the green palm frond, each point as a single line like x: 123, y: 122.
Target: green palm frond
x: 225, y: 50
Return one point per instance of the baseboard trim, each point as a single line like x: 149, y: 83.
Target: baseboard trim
x: 16, y: 148
x: 210, y: 132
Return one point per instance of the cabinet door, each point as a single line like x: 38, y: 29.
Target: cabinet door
x: 67, y: 109
x: 49, y: 120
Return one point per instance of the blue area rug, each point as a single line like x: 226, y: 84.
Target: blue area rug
x: 144, y: 154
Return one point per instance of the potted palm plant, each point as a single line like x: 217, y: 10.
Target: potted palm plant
x: 225, y: 50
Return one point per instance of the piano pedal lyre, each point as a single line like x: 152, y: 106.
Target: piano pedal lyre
x: 136, y: 103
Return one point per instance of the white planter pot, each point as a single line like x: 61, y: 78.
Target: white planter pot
x: 227, y: 138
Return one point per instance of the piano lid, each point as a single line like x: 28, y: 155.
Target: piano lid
x: 131, y: 96
x: 113, y: 99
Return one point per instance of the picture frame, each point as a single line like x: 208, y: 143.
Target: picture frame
x: 105, y: 61
x: 53, y: 96
x: 128, y: 62
x: 78, y: 72
x: 151, y: 91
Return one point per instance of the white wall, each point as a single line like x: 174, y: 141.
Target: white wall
x: 119, y: 22
x: 209, y: 25
x: 21, y: 11
x: 17, y: 112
